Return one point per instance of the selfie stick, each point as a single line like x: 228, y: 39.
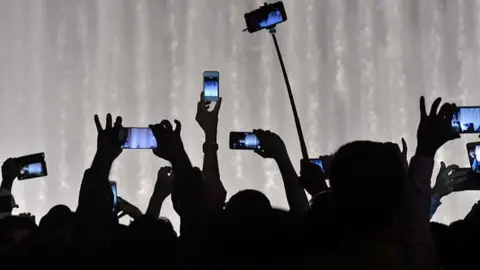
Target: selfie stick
x: 303, y: 146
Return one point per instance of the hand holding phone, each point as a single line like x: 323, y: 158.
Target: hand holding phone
x: 312, y: 177
x: 211, y: 86
x: 31, y: 166
x: 244, y: 141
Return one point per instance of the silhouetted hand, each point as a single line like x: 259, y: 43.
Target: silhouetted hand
x: 29, y: 216
x: 169, y: 141
x: 164, y: 184
x: 108, y: 142
x: 447, y: 178
x: 126, y: 208
x: 208, y: 120
x: 434, y: 129
x: 10, y: 171
x: 312, y: 178
x: 272, y: 145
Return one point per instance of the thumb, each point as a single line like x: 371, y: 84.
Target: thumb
x: 218, y: 105
x: 442, y: 166
x: 178, y: 126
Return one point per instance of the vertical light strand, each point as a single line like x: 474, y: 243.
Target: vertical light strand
x: 396, y: 78
x: 314, y: 135
x: 142, y: 58
x: 340, y: 87
x: 237, y: 87
x: 367, y: 69
x: 175, y: 73
x: 86, y: 19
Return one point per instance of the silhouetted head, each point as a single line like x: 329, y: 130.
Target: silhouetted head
x: 248, y: 202
x: 14, y: 230
x: 58, y: 221
x: 367, y: 181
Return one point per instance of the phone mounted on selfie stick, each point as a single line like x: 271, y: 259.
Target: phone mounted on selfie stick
x: 257, y: 20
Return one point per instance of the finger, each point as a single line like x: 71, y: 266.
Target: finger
x: 404, y: 147
x: 178, y: 126
x: 216, y: 109
x: 97, y: 123
x: 434, y: 108
x: 442, y: 166
x: 459, y: 174
x: 459, y: 180
x: 109, y: 121
x: 423, y: 110
x: 452, y: 168
x: 202, y: 97
x: 118, y: 122
x: 444, y: 110
x: 165, y: 124
x: 260, y: 153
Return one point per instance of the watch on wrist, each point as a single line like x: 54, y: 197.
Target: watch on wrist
x: 210, y: 146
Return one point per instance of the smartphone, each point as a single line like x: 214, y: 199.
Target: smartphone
x: 137, y: 138
x: 244, y: 141
x: 211, y: 85
x: 31, y: 166
x: 113, y: 186
x: 318, y: 162
x: 466, y: 120
x: 473, y: 150
x: 265, y: 17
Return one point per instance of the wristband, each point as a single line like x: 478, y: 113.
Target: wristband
x: 210, y: 146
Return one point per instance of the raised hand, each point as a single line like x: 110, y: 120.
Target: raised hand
x: 10, y: 171
x: 126, y: 208
x: 108, y: 142
x: 434, y: 129
x: 447, y: 178
x: 164, y: 184
x: 312, y: 178
x: 272, y: 145
x: 28, y: 215
x: 169, y: 141
x: 208, y: 120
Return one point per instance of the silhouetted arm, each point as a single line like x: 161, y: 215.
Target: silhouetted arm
x: 211, y: 173
x: 163, y: 188
x: 296, y: 197
x: 208, y: 121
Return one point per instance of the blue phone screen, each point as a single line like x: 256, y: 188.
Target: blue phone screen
x: 211, y: 86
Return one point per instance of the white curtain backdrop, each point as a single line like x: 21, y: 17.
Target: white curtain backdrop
x: 357, y: 69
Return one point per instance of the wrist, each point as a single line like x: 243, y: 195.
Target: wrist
x: 211, y: 136
x: 424, y: 151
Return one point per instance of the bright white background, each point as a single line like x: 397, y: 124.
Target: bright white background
x: 357, y: 69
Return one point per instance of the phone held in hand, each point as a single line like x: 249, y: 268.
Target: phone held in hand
x: 266, y: 16
x: 113, y: 186
x: 31, y: 166
x: 244, y: 141
x: 473, y: 150
x: 137, y: 138
x: 211, y: 86
x: 466, y: 120
x: 319, y: 163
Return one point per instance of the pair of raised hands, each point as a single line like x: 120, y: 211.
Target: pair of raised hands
x: 109, y: 145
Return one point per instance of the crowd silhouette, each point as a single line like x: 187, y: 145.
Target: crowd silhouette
x: 374, y: 213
